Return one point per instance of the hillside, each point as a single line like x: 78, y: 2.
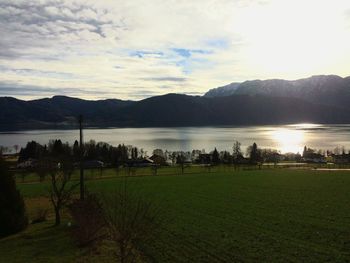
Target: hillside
x: 324, y: 89
x: 167, y: 110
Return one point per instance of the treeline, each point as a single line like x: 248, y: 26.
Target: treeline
x: 91, y: 151
x: 121, y: 155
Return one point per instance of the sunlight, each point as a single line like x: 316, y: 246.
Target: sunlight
x: 288, y: 140
x: 305, y: 125
x: 280, y: 44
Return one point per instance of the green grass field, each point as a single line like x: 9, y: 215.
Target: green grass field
x: 276, y: 215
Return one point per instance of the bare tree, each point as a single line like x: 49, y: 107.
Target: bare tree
x: 131, y: 221
x: 61, y: 189
x: 236, y: 150
x: 88, y: 215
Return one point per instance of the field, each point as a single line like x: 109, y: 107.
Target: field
x: 271, y: 215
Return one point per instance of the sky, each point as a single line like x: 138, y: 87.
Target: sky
x: 137, y: 49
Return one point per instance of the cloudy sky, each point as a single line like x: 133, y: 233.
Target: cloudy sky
x: 140, y: 48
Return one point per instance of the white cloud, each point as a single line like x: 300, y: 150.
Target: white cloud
x: 134, y: 49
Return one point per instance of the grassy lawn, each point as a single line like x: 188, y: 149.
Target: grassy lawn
x: 276, y: 215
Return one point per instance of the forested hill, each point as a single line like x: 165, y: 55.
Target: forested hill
x: 167, y: 110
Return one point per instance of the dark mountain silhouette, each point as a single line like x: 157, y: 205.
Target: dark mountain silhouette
x: 325, y: 89
x: 167, y: 110
x: 58, y: 111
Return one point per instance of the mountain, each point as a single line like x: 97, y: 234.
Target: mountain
x: 223, y: 91
x: 58, y: 111
x: 329, y: 90
x: 182, y: 110
x: 167, y: 110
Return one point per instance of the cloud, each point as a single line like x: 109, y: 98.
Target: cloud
x: 23, y: 91
x: 165, y: 79
x: 142, y: 53
x: 29, y: 26
x: 34, y: 72
x: 135, y: 49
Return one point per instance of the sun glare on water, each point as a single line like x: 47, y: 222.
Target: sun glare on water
x: 289, y: 140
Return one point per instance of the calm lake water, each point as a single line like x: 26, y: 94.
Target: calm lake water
x: 286, y: 138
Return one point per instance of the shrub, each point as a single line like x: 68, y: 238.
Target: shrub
x: 13, y: 216
x: 88, y: 219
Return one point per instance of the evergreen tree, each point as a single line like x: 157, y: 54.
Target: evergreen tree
x: 12, y: 210
x: 215, y: 155
x: 254, y: 153
x: 76, y: 150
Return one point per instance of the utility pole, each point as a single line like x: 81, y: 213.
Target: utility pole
x: 81, y: 158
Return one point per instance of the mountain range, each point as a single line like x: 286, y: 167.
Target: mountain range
x: 318, y: 99
x: 329, y: 90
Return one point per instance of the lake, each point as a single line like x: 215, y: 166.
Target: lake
x: 286, y: 138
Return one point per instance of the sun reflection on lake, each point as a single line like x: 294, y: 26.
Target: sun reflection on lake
x: 289, y: 140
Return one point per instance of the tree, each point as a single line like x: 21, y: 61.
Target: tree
x: 226, y: 157
x: 308, y: 152
x: 236, y: 151
x: 254, y: 153
x: 134, y: 153
x: 131, y: 221
x: 13, y: 216
x: 180, y: 159
x: 215, y: 156
x: 76, y: 151
x: 89, y: 220
x: 304, y: 152
x: 43, y: 168
x: 57, y: 148
x: 32, y: 150
x: 61, y: 192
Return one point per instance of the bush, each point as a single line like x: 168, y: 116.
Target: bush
x: 88, y: 219
x: 13, y: 216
